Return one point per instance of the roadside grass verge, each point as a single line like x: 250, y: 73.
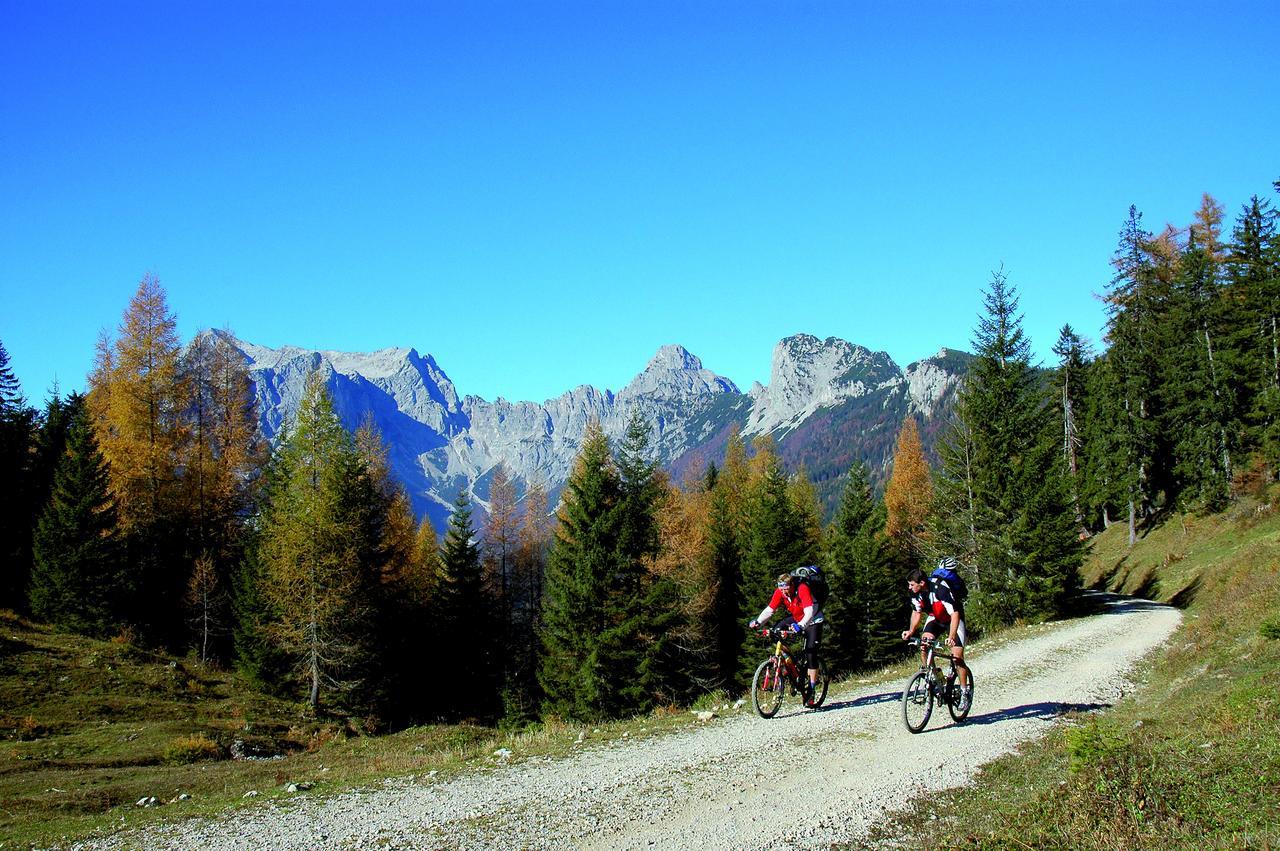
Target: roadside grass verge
x: 90, y: 728
x: 1193, y: 757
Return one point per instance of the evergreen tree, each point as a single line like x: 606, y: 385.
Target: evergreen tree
x: 582, y: 560
x: 776, y: 540
x: 77, y: 582
x: 17, y: 435
x: 865, y: 611
x: 1201, y: 417
x: 466, y: 615
x: 1133, y: 302
x: 1068, y: 382
x: 1253, y: 268
x: 1023, y: 541
x: 728, y: 602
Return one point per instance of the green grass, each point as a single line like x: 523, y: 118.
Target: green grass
x: 88, y: 728
x: 1193, y: 758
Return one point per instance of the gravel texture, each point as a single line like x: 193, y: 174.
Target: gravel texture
x: 736, y: 781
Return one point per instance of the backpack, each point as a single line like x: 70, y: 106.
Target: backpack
x: 810, y: 575
x: 948, y: 577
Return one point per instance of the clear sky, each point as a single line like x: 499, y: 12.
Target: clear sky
x: 540, y: 194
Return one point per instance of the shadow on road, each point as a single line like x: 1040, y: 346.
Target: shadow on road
x: 865, y: 700
x: 1047, y: 710
x: 1106, y: 603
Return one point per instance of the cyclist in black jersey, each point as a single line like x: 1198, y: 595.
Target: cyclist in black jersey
x: 934, y: 603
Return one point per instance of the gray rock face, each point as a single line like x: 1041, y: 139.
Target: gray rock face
x: 808, y: 374
x: 439, y: 443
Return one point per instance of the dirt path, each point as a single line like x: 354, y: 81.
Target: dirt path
x: 723, y: 784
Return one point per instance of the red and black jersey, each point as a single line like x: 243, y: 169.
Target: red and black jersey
x: 795, y: 605
x: 937, y: 601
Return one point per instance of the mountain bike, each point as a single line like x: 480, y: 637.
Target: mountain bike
x: 929, y: 685
x: 779, y: 673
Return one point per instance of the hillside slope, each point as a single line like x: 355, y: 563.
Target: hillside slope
x: 1192, y: 759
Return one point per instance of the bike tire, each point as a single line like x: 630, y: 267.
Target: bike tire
x: 956, y: 714
x: 917, y: 702
x: 766, y: 688
x: 820, y: 693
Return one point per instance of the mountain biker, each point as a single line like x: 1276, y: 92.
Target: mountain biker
x: 805, y: 616
x: 934, y: 602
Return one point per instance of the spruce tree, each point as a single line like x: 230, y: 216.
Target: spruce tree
x: 727, y: 604
x: 1069, y: 389
x: 78, y: 582
x: 865, y: 610
x: 1133, y: 303
x: 466, y: 617
x: 17, y: 435
x: 1022, y: 545
x: 582, y: 560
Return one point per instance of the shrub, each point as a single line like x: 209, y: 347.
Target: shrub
x: 1270, y: 628
x: 187, y: 749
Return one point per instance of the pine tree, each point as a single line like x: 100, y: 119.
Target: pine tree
x: 77, y: 582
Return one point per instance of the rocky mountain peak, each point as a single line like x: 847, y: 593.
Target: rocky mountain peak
x: 808, y: 374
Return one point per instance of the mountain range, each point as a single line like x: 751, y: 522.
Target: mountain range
x: 828, y: 403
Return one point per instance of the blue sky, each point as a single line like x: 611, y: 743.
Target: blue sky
x: 542, y: 194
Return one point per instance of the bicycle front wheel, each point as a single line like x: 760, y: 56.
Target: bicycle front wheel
x: 766, y: 688
x: 917, y: 702
x: 958, y: 706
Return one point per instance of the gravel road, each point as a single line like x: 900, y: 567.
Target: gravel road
x: 730, y: 782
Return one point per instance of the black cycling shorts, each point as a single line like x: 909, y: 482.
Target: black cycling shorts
x: 812, y: 641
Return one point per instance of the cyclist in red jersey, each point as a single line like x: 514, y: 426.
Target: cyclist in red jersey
x: 934, y: 603
x: 805, y: 616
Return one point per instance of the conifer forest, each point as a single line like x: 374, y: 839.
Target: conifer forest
x: 149, y: 507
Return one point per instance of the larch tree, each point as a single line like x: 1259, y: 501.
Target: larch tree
x: 313, y: 550
x: 137, y: 400
x: 908, y: 496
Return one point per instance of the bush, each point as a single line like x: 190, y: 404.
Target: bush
x: 1270, y: 628
x: 191, y: 749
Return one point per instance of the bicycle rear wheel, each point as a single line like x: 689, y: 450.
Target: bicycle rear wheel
x: 917, y: 702
x: 820, y: 693
x: 766, y: 688
x: 954, y: 703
